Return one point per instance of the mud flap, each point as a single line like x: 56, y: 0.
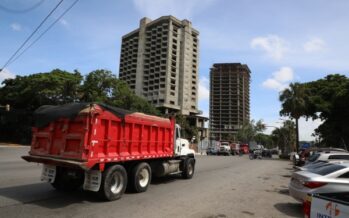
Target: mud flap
x: 48, y: 173
x: 93, y: 179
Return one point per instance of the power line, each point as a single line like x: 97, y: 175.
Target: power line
x: 43, y: 33
x: 31, y: 35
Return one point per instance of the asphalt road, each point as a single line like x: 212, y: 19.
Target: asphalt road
x: 221, y: 187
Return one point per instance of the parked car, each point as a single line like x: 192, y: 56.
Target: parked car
x: 235, y: 149
x: 266, y: 153
x: 308, y: 154
x: 318, y: 156
x: 224, y: 149
x: 319, y: 163
x: 255, y: 154
x: 211, y: 151
x: 274, y: 151
x: 244, y: 148
x: 325, y: 179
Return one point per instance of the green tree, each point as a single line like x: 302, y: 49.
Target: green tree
x: 285, y: 137
x: 30, y: 92
x: 188, y: 131
x: 249, y: 130
x: 26, y: 93
x: 103, y: 86
x: 329, y: 101
x: 293, y: 101
x: 98, y: 86
x: 264, y: 139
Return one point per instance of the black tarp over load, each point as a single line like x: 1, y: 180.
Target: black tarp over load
x: 49, y: 113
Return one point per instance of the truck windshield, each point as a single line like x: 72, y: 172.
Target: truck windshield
x: 314, y: 157
x: 178, y: 133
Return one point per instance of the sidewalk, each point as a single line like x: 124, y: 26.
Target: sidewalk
x: 11, y: 145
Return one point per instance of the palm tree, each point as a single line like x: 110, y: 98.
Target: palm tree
x: 284, y: 136
x: 293, y: 101
x: 249, y: 130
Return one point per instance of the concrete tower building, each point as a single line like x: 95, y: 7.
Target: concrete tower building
x: 229, y: 99
x: 159, y: 61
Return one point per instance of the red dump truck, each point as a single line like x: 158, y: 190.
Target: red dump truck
x: 106, y: 149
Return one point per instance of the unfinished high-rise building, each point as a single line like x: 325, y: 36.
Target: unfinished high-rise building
x: 159, y: 61
x: 229, y: 99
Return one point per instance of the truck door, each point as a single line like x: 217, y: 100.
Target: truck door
x: 178, y: 141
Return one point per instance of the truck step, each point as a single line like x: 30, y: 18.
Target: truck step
x: 174, y: 173
x: 174, y: 161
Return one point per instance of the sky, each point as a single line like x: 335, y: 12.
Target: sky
x: 281, y: 41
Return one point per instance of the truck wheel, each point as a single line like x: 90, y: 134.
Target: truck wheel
x: 114, y: 182
x: 189, y: 168
x: 140, y: 177
x: 68, y: 180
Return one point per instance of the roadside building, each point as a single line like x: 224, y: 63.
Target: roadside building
x: 159, y: 61
x: 229, y: 99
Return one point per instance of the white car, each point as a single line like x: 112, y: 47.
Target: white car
x: 325, y: 179
x: 328, y: 156
x: 320, y: 163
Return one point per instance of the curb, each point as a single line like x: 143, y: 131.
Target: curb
x: 13, y: 146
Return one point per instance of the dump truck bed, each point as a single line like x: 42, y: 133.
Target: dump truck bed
x: 85, y: 134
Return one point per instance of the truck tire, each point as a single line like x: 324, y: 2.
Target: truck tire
x: 68, y: 180
x: 114, y: 182
x: 188, y: 168
x: 140, y: 177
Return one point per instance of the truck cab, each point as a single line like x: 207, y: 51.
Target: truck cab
x: 224, y: 148
x: 182, y: 145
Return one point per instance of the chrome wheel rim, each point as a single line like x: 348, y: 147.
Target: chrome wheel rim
x: 116, y: 183
x: 190, y: 169
x: 143, y: 177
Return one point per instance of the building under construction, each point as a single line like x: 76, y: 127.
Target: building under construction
x: 229, y: 99
x: 159, y: 61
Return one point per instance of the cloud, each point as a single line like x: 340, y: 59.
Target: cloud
x: 280, y: 79
x: 179, y: 8
x: 6, y: 74
x: 306, y: 127
x: 274, y: 46
x: 273, y: 84
x: 16, y: 27
x: 314, y: 45
x: 63, y: 22
x: 204, y: 92
x: 285, y: 74
x: 204, y: 96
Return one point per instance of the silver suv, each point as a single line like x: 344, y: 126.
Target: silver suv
x: 325, y: 156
